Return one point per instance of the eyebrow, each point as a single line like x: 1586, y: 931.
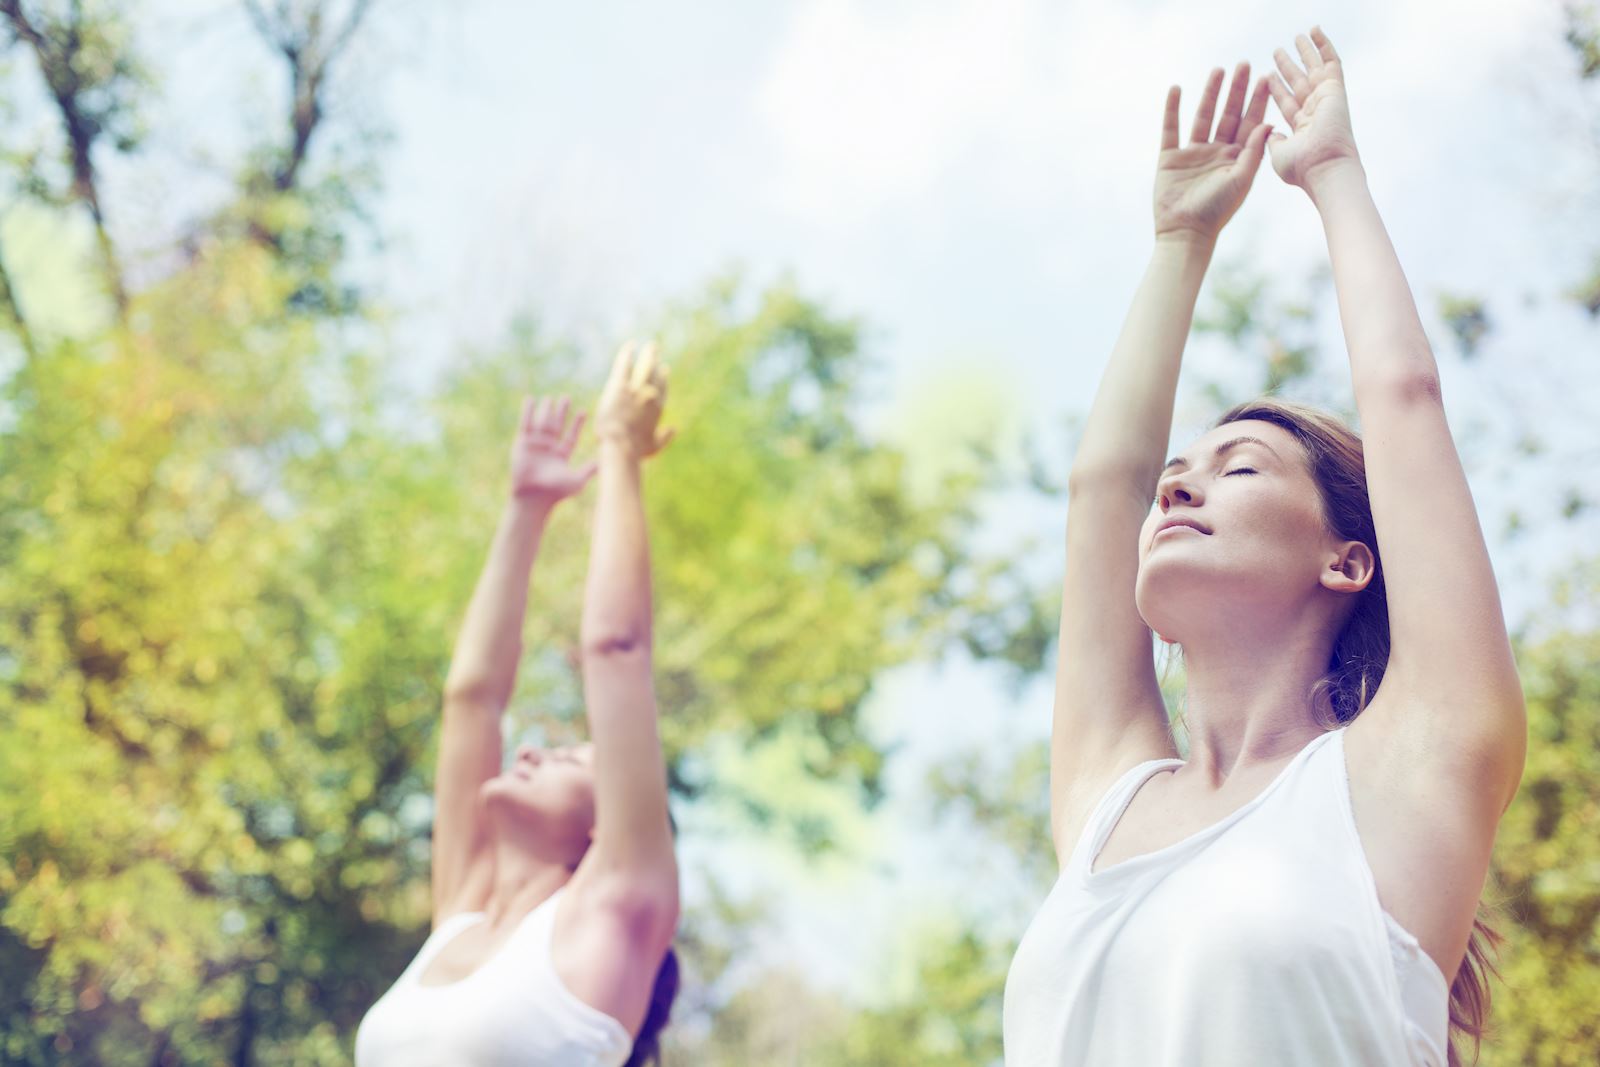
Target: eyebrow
x: 1179, y: 461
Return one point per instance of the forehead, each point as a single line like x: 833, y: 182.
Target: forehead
x: 1266, y: 436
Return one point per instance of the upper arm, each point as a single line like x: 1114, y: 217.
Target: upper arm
x: 1451, y: 682
x: 1108, y: 708
x: 632, y: 832
x: 469, y: 755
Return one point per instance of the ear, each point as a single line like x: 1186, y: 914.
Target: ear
x: 1350, y: 568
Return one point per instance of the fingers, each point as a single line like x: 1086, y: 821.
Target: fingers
x: 1291, y: 73
x: 1324, y: 46
x: 1228, y: 127
x: 622, y: 365
x: 541, y: 414
x: 1255, y: 147
x: 525, y: 420
x: 1200, y: 133
x: 1169, y: 120
x: 1308, y: 53
x: 1284, y: 99
x: 570, y: 441
x: 1256, y: 113
x: 644, y: 368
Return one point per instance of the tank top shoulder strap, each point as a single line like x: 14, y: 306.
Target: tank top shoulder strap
x: 1109, y: 809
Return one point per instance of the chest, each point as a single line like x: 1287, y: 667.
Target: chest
x: 1161, y: 814
x: 465, y: 954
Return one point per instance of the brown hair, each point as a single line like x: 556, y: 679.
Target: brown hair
x: 647, y: 1046
x: 1361, y: 650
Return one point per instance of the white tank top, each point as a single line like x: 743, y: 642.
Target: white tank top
x: 1258, y: 940
x: 513, y: 1011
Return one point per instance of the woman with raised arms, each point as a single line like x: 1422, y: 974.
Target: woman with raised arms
x: 1303, y: 888
x: 555, y: 887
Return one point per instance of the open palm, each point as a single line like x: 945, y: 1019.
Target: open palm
x: 541, y: 455
x: 1201, y: 185
x: 1314, y: 104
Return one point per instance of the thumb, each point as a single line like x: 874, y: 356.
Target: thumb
x: 582, y: 475
x: 666, y: 437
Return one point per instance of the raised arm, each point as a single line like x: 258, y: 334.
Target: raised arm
x: 1450, y: 698
x: 1108, y: 709
x: 483, y: 669
x: 633, y: 850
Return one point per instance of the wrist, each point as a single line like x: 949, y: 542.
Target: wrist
x: 1328, y: 179
x: 1186, y: 244
x: 618, y: 446
x: 534, y: 506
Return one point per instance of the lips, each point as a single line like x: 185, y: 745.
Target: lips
x: 1185, y: 523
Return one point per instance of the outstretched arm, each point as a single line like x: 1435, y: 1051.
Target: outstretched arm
x: 633, y: 847
x: 1450, y: 694
x: 1108, y: 708
x: 483, y: 669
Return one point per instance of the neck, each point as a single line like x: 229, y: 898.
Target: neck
x: 1249, y: 691
x: 523, y: 879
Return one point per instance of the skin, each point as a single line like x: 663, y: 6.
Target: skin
x: 589, y: 817
x: 1436, y: 756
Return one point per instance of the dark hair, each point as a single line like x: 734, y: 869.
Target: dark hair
x: 647, y: 1046
x: 1361, y: 649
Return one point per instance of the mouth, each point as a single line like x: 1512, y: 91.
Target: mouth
x: 1182, y: 524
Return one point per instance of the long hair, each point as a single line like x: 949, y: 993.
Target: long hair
x: 1361, y: 651
x: 647, y: 1046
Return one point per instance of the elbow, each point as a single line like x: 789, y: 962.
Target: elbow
x: 478, y: 693
x: 622, y: 642
x: 1405, y: 388
x: 615, y: 640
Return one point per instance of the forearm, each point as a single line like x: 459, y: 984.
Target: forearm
x: 484, y: 666
x: 1382, y: 329
x: 1131, y: 418
x: 616, y: 604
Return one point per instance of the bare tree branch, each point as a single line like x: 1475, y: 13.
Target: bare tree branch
x: 310, y: 51
x: 58, y: 55
x: 13, y: 309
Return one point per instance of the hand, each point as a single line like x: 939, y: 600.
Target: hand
x: 1198, y: 188
x: 1314, y: 105
x: 630, y: 405
x: 541, y: 467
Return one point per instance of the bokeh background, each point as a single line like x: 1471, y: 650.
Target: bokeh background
x: 275, y: 273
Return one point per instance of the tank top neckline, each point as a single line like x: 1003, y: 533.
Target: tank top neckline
x: 465, y: 920
x: 1135, y: 779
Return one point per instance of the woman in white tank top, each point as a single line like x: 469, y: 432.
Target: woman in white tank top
x: 555, y: 887
x: 1303, y: 888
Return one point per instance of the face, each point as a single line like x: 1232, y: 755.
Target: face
x: 1236, y: 530
x: 549, y: 788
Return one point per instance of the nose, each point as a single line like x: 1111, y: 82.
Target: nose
x: 1177, y: 489
x: 529, y: 753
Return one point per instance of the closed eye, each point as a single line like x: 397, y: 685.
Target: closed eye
x: 1241, y: 470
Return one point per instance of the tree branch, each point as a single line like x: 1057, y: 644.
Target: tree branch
x: 58, y: 56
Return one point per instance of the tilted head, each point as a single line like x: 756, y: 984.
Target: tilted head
x: 546, y: 799
x: 1266, y: 517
